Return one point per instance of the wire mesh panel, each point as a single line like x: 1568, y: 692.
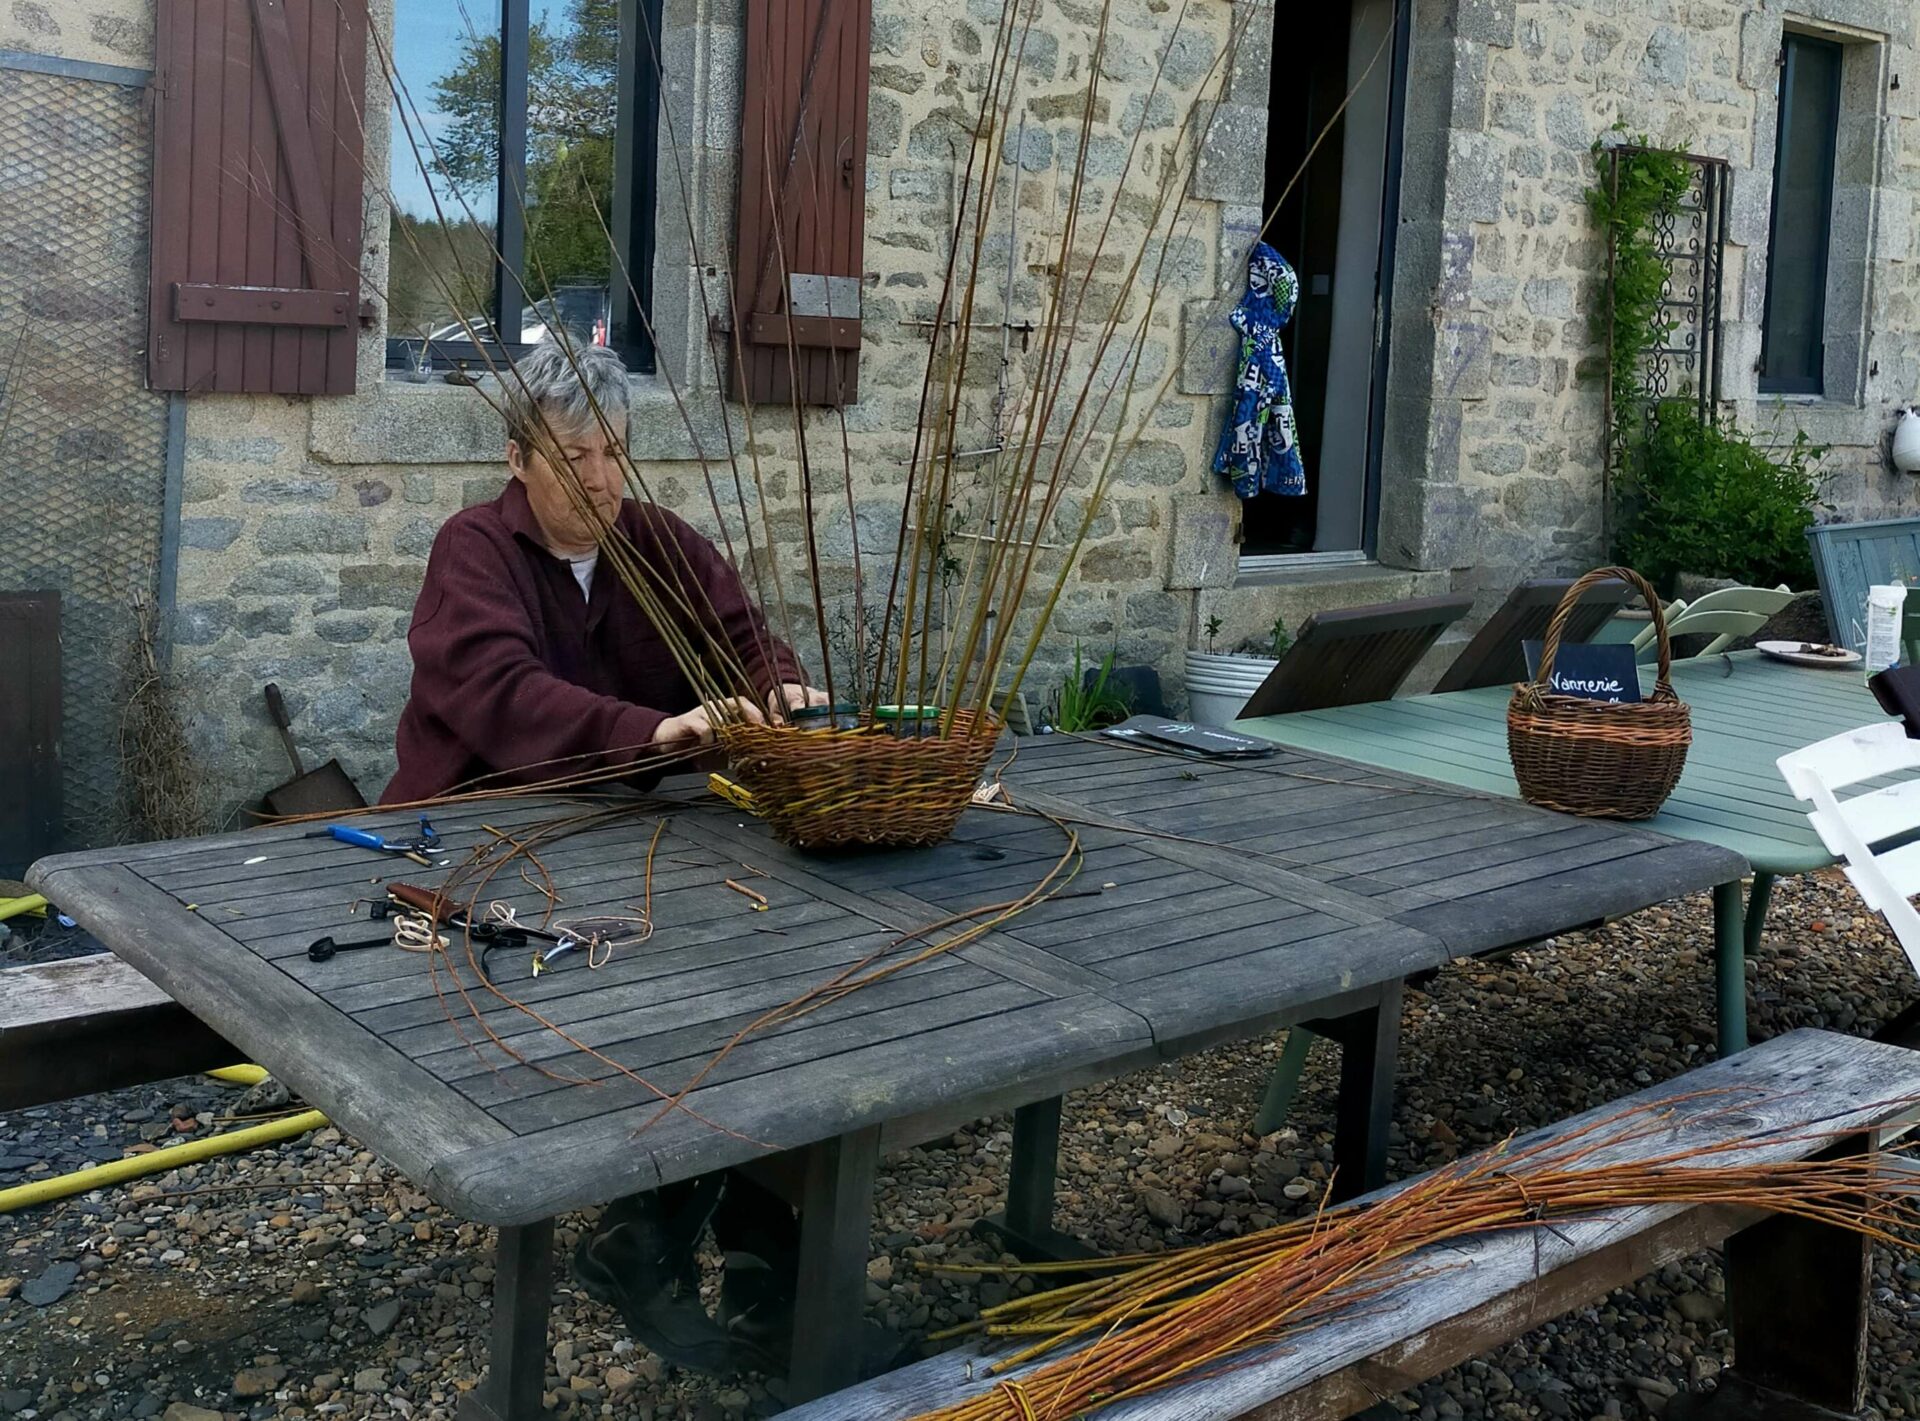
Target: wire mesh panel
x: 82, y: 441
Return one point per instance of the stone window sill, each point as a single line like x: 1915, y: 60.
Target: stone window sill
x: 400, y: 422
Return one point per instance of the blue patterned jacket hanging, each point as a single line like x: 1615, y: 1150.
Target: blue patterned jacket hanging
x: 1260, y: 449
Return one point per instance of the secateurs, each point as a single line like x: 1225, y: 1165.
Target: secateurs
x: 415, y: 848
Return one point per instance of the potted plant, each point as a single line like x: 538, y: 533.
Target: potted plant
x: 1219, y: 683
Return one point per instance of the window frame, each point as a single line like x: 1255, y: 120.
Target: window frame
x: 1792, y: 44
x: 640, y: 84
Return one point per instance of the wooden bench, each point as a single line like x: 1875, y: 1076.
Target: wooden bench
x: 1798, y: 1292
x: 93, y: 1023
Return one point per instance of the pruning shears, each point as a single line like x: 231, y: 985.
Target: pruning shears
x: 415, y: 848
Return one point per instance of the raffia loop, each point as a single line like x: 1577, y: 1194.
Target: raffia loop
x: 822, y: 789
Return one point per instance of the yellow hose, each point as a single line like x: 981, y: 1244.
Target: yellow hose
x: 240, y: 1075
x: 14, y: 907
x: 41, y: 1191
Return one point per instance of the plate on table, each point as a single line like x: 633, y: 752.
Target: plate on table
x: 1810, y: 653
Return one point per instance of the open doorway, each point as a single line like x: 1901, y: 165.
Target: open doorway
x: 1334, y: 229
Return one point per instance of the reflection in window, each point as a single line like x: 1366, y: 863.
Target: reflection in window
x: 541, y: 162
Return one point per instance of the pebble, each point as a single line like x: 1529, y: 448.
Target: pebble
x: 1161, y: 1207
x: 258, y: 1381
x: 51, y: 1285
x: 381, y: 1317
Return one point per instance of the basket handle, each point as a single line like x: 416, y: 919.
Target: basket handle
x: 1551, y: 645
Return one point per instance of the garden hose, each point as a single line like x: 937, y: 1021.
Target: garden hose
x: 41, y: 1191
x: 14, y: 907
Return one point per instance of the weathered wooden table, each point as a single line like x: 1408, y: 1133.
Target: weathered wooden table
x: 1748, y: 710
x: 1221, y: 901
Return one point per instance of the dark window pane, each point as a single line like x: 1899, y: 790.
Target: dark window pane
x: 1794, y: 346
x: 444, y: 168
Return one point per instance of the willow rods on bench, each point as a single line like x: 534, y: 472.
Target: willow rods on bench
x: 1158, y: 1319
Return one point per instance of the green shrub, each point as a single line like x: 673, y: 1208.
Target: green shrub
x: 1703, y: 498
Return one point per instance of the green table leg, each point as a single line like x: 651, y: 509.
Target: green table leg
x: 1730, y: 965
x: 1284, y: 1081
x: 1757, y: 904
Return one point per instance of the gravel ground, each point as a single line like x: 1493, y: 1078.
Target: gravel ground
x: 307, y: 1279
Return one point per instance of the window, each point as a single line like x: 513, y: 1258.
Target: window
x: 522, y: 173
x: 1793, y: 338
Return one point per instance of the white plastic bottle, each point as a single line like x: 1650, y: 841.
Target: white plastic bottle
x: 1886, y: 605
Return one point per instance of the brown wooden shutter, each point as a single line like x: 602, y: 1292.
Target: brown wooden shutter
x: 30, y: 810
x: 803, y: 201
x: 256, y: 195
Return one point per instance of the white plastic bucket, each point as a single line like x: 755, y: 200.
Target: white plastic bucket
x: 1218, y: 685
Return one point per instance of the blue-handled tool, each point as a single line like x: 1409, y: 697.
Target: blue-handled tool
x: 414, y: 848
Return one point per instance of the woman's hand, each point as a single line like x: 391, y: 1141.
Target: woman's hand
x: 696, y: 726
x: 793, y: 696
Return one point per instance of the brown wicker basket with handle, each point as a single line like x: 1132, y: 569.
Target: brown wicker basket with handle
x: 834, y: 789
x: 1597, y: 758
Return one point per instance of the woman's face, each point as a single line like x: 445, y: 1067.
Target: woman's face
x: 595, y: 466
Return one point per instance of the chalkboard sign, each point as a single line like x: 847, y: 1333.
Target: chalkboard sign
x: 1592, y: 671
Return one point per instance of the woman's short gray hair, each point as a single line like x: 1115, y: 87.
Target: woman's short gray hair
x: 564, y: 390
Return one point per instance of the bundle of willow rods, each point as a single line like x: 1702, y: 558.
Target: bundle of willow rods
x: 1155, y: 1320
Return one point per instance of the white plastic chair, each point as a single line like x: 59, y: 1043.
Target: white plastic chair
x: 1726, y: 615
x: 1887, y: 879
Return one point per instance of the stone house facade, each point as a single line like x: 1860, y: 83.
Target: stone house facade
x: 302, y: 523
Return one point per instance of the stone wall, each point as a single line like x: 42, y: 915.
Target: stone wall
x: 1495, y: 469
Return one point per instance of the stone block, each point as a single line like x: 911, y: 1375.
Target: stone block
x: 201, y: 623
x: 885, y: 121
x: 1153, y: 464
x: 210, y: 535
x: 1466, y: 359
x: 1504, y: 458
x: 1031, y: 147
x: 313, y: 532
x: 1476, y: 169
x: 1209, y: 347
x: 289, y: 490
x: 1231, y: 165
x: 1239, y: 230
x: 1664, y: 64
x: 915, y: 184
x: 1516, y: 114
x: 236, y: 450
x: 1203, y: 551
x: 366, y: 585
x: 274, y: 618
x: 1568, y: 125
x: 1550, y: 298
x: 1487, y: 22
x: 418, y: 488
x: 371, y: 493
x: 415, y: 538
x: 343, y: 628
x: 1140, y: 114
x: 1115, y: 562
x: 268, y: 579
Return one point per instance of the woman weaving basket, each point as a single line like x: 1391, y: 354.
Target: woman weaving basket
x: 527, y: 666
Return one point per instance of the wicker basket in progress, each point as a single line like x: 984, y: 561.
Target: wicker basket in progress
x: 1595, y: 758
x: 830, y: 789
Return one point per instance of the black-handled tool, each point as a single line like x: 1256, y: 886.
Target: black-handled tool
x: 325, y: 949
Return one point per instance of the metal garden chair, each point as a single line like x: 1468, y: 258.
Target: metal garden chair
x: 1354, y: 655
x: 1494, y: 657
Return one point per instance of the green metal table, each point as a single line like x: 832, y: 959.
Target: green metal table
x: 1747, y: 711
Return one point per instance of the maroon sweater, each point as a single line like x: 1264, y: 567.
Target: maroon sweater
x: 512, y: 667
